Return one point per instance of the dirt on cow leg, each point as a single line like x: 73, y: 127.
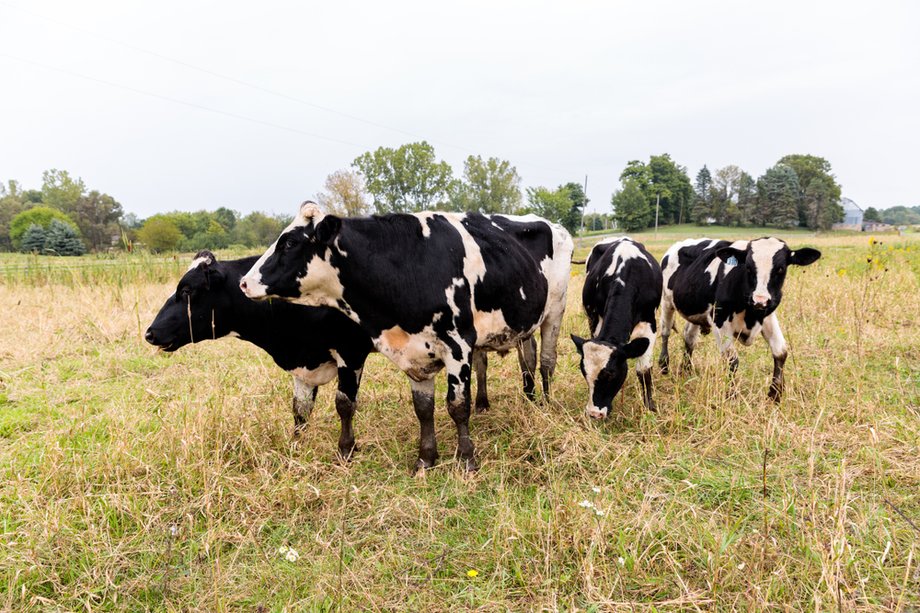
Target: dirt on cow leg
x: 481, y: 366
x: 527, y: 360
x: 459, y: 410
x: 776, y: 385
x: 345, y: 407
x: 423, y: 401
x: 646, y: 379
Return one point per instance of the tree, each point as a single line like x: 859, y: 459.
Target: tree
x: 701, y: 209
x: 215, y: 237
x: 40, y: 216
x: 747, y: 199
x: 160, y: 233
x: 405, y: 179
x: 488, y: 186
x: 12, y: 203
x: 871, y: 214
x: 808, y: 168
x: 97, y: 216
x: 572, y: 220
x: 552, y: 205
x: 662, y: 178
x: 258, y: 229
x: 777, y: 198
x: 821, y: 211
x: 345, y: 194
x: 33, y: 240
x: 227, y: 218
x: 63, y: 239
x: 60, y: 190
x: 631, y: 208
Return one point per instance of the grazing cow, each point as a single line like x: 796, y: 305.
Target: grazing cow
x: 313, y: 344
x: 429, y: 289
x: 622, y: 290
x: 732, y: 288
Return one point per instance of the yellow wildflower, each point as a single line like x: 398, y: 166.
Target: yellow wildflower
x: 472, y: 573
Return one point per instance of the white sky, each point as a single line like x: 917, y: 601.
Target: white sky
x: 560, y: 89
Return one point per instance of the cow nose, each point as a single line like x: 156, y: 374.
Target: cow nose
x: 761, y: 300
x: 150, y: 337
x: 243, y: 285
x: 596, y: 413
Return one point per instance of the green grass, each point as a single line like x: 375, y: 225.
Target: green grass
x: 131, y: 480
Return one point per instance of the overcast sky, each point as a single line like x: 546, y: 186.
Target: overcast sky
x: 562, y: 90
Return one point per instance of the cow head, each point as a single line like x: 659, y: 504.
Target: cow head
x: 604, y: 367
x: 193, y: 312
x: 763, y: 269
x: 297, y: 266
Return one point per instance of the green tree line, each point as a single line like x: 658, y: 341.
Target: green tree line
x: 799, y: 190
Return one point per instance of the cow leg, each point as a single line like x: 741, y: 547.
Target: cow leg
x: 691, y: 338
x: 549, y: 336
x: 665, y: 324
x: 423, y: 401
x: 304, y: 398
x: 481, y: 365
x: 527, y: 359
x: 773, y: 334
x: 644, y: 363
x: 726, y: 342
x: 346, y: 403
x: 458, y: 406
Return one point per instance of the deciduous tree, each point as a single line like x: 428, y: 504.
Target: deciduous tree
x: 406, y: 179
x: 345, y: 194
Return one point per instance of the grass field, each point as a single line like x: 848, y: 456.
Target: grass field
x: 133, y: 480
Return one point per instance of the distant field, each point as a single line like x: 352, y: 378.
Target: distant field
x: 135, y: 480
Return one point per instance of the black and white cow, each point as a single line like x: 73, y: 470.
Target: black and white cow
x: 732, y: 288
x: 313, y: 344
x: 622, y: 290
x: 429, y: 289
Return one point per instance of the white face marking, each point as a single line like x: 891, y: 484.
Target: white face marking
x: 596, y: 357
x: 626, y: 250
x: 523, y: 295
x: 199, y: 261
x: 309, y: 212
x: 762, y: 252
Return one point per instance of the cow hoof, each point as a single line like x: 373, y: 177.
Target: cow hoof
x: 664, y: 369
x: 652, y: 407
x: 347, y: 453
x: 482, y: 406
x: 775, y: 395
x: 469, y: 465
x: 421, y: 465
x: 300, y: 431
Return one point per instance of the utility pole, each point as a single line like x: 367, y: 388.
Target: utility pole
x: 657, y: 203
x: 585, y: 207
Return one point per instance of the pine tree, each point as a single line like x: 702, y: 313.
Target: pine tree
x: 33, y: 241
x: 62, y: 239
x: 778, y: 196
x: 702, y: 200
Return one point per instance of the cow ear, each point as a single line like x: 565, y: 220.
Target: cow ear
x: 634, y: 348
x: 804, y: 256
x: 727, y: 253
x: 327, y: 229
x: 209, y: 258
x: 579, y: 343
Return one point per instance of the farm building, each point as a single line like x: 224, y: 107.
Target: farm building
x: 852, y: 216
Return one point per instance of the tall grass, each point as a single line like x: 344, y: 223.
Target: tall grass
x: 133, y: 480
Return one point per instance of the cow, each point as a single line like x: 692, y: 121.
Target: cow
x: 429, y: 289
x: 621, y: 293
x: 732, y: 288
x: 314, y: 345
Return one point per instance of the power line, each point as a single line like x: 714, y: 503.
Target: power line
x: 225, y: 77
x: 194, y: 105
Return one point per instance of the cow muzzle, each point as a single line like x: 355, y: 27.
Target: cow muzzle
x: 252, y: 288
x: 760, y: 301
x: 595, y: 412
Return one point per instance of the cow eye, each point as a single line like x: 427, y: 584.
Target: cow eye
x: 290, y: 243
x: 781, y: 270
x: 185, y: 292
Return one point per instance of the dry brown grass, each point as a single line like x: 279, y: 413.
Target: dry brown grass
x: 134, y: 480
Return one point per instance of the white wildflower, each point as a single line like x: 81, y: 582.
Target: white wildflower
x: 598, y: 512
x: 586, y: 504
x: 282, y: 550
x: 292, y: 555
x: 621, y: 561
x: 741, y: 566
x: 596, y: 490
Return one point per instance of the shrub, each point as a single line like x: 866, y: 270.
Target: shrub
x: 62, y: 239
x: 40, y: 216
x: 33, y: 241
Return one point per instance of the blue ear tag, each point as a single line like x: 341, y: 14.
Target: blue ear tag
x: 732, y: 261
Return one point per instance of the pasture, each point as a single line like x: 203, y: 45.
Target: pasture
x: 136, y: 480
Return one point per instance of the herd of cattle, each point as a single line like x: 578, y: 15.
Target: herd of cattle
x: 435, y: 291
